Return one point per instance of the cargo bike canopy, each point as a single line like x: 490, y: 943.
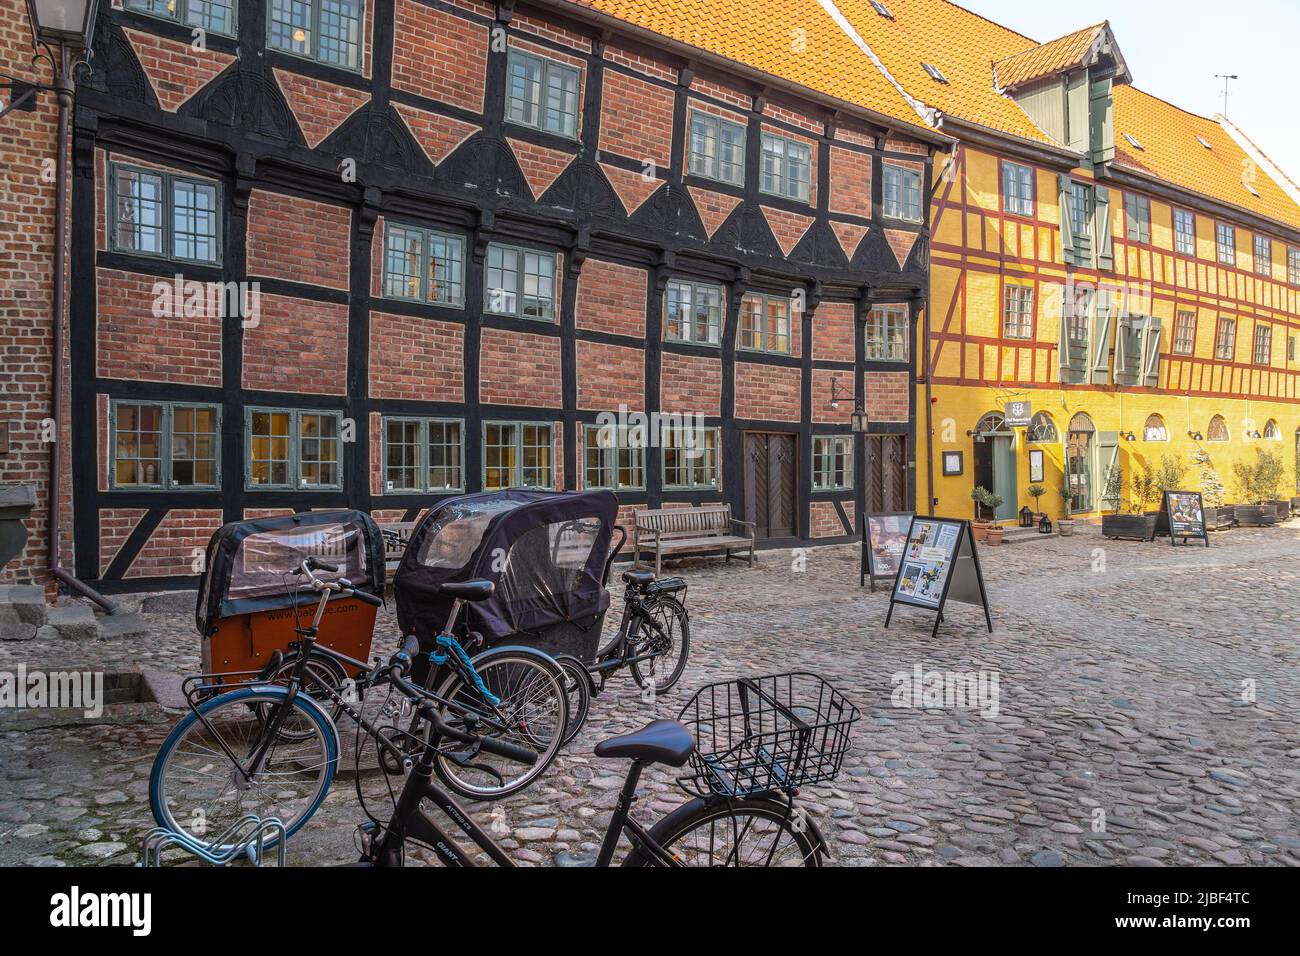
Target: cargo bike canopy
x: 547, y: 552
x: 249, y: 564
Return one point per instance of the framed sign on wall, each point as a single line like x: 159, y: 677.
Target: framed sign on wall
x: 1035, y: 464
x: 952, y: 463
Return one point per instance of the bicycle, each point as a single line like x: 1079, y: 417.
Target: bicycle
x: 270, y: 746
x: 790, y: 730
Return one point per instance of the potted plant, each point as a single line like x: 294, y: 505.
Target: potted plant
x: 1036, y: 492
x: 994, y: 532
x: 1065, y: 524
x: 1218, y: 514
x: 1258, y: 482
x: 980, y: 526
x: 1137, y: 522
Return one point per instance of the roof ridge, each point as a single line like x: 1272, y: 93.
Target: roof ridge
x: 990, y: 20
x: 832, y: 10
x: 1171, y: 104
x: 1250, y: 148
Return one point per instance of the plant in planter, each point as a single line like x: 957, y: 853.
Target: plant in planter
x: 989, y: 503
x: 1036, y: 492
x: 1259, y: 483
x: 983, y: 513
x: 1065, y: 524
x: 1146, y: 488
x: 1217, y: 513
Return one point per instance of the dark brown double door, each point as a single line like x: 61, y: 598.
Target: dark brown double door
x: 771, y: 483
x: 886, y: 467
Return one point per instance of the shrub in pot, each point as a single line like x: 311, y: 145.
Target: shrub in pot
x: 989, y: 502
x: 1259, y: 482
x: 982, y: 498
x: 1065, y: 524
x: 1036, y: 492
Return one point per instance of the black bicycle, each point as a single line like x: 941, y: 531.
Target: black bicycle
x: 759, y: 741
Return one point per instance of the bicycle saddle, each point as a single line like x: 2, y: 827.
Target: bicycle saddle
x: 660, y: 741
x: 475, y: 590
x: 639, y: 578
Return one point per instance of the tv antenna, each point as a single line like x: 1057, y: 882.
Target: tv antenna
x: 1227, y: 79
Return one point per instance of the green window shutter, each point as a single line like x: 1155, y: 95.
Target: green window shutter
x: 1151, y: 352
x: 1067, y: 227
x: 1103, y: 316
x: 1124, y: 354
x: 1111, y: 479
x: 1101, y: 114
x: 1065, y: 365
x: 1101, y: 229
x: 1076, y: 111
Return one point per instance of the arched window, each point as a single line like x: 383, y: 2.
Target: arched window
x: 1082, y: 423
x: 1042, y: 430
x: 1154, y: 429
x: 1272, y: 432
x: 1218, y: 430
x: 1079, y: 447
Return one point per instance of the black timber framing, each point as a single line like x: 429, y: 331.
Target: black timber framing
x: 478, y: 191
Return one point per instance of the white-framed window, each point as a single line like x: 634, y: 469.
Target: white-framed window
x: 423, y: 454
x: 1081, y: 204
x: 1225, y: 340
x: 542, y: 93
x: 1137, y: 211
x: 1184, y: 333
x: 1018, y: 312
x: 717, y: 148
x: 293, y: 448
x: 887, y: 333
x: 1226, y: 240
x: 1184, y: 232
x: 1018, y: 190
x: 1154, y: 429
x: 1263, y: 255
x: 832, y: 462
x: 1263, y: 353
x: 693, y: 312
x: 215, y: 16
x: 1293, y: 266
x: 165, y: 215
x: 164, y: 445
x: 902, y: 192
x: 613, y: 457
x: 518, y: 454
x: 423, y: 265
x: 328, y: 31
x: 690, y: 456
x: 787, y: 168
x: 520, y: 282
x: 765, y: 323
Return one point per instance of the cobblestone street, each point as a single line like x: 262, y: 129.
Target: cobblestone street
x: 1126, y: 732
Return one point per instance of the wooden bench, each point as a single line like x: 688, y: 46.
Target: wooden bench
x: 675, y: 530
x: 396, y: 536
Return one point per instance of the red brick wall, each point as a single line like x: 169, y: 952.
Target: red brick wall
x: 416, y: 358
x: 171, y: 548
x: 821, y: 396
x: 439, y: 55
x: 824, y: 519
x: 175, y: 69
x: 834, y: 332
x: 636, y: 119
x: 610, y: 375
x: 611, y: 298
x: 115, y: 526
x: 133, y: 343
x: 887, y: 395
x: 297, y: 346
x: 690, y: 383
x: 850, y: 182
x: 769, y: 392
x: 319, y: 107
x: 519, y: 368
x: 298, y: 239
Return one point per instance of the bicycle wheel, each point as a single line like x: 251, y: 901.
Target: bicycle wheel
x: 749, y: 831
x: 577, y: 684
x: 534, y: 708
x: 327, y: 672
x: 673, y: 645
x: 195, y: 787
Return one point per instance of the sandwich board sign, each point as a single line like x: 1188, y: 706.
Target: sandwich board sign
x: 939, y: 563
x: 884, y: 538
x: 1185, y: 512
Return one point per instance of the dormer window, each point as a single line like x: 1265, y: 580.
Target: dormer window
x: 1133, y: 141
x: 1204, y: 142
x: 934, y: 73
x: 881, y: 9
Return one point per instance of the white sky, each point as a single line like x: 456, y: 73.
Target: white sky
x: 1175, y: 47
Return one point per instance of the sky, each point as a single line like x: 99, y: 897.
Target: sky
x: 1174, y: 48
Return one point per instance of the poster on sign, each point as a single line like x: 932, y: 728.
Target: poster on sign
x: 884, y: 537
x: 939, y: 563
x: 1186, y: 516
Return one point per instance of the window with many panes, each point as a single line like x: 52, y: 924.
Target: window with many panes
x: 1018, y: 312
x: 520, y: 282
x: 1225, y: 340
x: 217, y: 16
x: 787, y: 168
x: 1081, y: 205
x: 424, y: 265
x: 328, y: 31
x: 717, y: 148
x: 1137, y: 211
x: 517, y: 454
x: 165, y: 215
x: 693, y: 312
x: 423, y: 454
x: 1226, y: 240
x: 1076, y: 305
x: 542, y: 93
x: 690, y: 456
x: 902, y: 193
x: 1293, y: 266
x: 1017, y: 189
x: 765, y: 323
x: 832, y: 462
x: 613, y: 457
x: 165, y: 445
x: 887, y: 333
x: 1184, y: 333
x: 293, y: 448
x: 1263, y: 344
x: 1263, y: 255
x: 1184, y: 233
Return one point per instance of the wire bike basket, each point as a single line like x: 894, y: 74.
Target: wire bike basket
x: 762, y: 734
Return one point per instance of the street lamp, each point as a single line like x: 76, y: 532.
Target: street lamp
x: 68, y: 22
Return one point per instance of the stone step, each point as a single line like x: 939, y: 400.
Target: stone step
x: 71, y: 622
x: 124, y: 627
x: 26, y: 600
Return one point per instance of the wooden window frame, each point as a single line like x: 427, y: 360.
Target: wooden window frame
x: 517, y: 443
x: 1012, y: 201
x: 1179, y: 327
x: 714, y: 469
x: 610, y: 459
x: 1226, y: 251
x: 294, y: 461
x: 688, y: 325
x: 547, y: 65
x: 823, y: 455
x: 714, y: 166
x: 422, y: 465
x: 1267, y: 258
x: 1185, y: 242
x: 764, y: 336
x: 1264, y: 333
x: 521, y: 253
x: 1225, y: 346
x: 425, y: 236
x: 802, y: 189
x: 314, y: 56
x: 169, y: 181
x: 166, y: 441
x: 181, y: 14
x: 879, y: 345
x: 1012, y: 291
x: 905, y: 176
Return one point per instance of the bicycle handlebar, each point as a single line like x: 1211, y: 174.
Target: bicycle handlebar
x: 428, y: 711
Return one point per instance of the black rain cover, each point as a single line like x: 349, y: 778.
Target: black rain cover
x: 249, y: 564
x: 544, y: 550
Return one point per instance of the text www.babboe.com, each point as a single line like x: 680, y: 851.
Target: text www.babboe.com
x: 1203, y: 923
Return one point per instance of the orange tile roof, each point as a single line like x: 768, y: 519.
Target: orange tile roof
x: 1049, y: 58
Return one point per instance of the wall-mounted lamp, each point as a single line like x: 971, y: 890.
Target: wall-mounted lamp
x: 835, y: 391
x: 1129, y: 436
x: 1194, y: 436
x: 1256, y: 434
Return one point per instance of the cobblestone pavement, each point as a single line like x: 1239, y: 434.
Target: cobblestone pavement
x: 1147, y: 715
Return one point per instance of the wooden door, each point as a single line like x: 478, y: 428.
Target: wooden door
x: 886, y: 469
x: 771, y: 488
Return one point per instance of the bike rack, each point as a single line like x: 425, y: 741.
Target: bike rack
x: 246, y: 838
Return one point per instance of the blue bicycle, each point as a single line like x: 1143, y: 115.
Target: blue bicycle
x: 270, y: 746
